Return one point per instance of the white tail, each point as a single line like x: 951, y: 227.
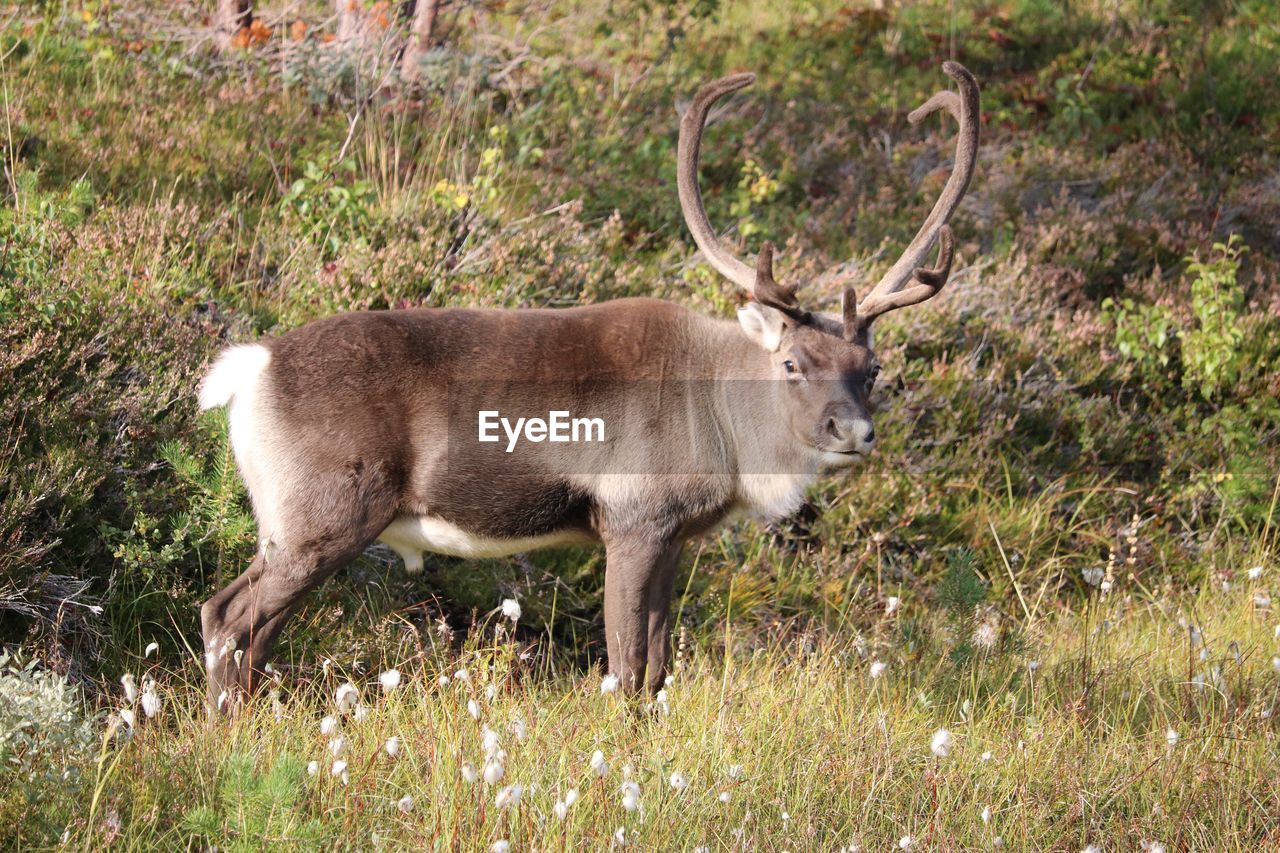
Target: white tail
x: 236, y: 369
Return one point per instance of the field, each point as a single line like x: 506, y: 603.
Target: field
x: 1040, y: 617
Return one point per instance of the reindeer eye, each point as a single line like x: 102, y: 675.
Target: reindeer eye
x: 789, y: 366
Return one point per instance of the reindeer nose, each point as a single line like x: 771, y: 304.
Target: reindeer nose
x: 850, y: 433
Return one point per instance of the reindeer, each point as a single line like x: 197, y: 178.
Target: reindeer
x: 362, y: 427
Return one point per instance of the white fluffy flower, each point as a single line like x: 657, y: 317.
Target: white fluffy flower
x: 493, y: 771
x: 511, y: 609
x: 392, y: 746
x: 337, y: 746
x: 313, y: 767
x: 571, y: 796
x: 986, y: 814
x: 598, y: 764
x: 473, y: 708
x: 151, y: 647
x: 735, y: 771
x: 678, y: 781
x: 405, y: 804
x: 609, y: 684
x: 462, y: 675
x: 942, y: 743
x: 1261, y: 600
x: 500, y: 846
x: 150, y: 699
x: 329, y: 725
x: 130, y: 688
x: 339, y: 767
x: 725, y: 797
x: 469, y: 772
x: 389, y: 680
x: 1255, y: 573
x: 560, y: 809
x: 346, y: 698
x: 891, y: 605
x: 361, y: 713
x: 508, y: 797
x: 906, y: 842
x: 878, y: 668
x: 1171, y: 737
x: 443, y: 681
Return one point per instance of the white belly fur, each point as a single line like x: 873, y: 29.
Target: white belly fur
x: 409, y: 537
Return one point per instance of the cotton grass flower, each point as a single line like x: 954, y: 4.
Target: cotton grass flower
x: 678, y: 781
x: 313, y: 767
x: 130, y: 688
x: 502, y: 845
x: 598, y: 764
x: 734, y: 772
x: 608, y: 684
x: 392, y: 746
x: 1275, y: 662
x: 127, y: 715
x: 346, y: 697
x: 405, y: 804
x: 877, y: 669
x: 906, y: 842
x: 1255, y: 573
x: 1171, y: 737
x: 473, y: 708
x: 337, y: 746
x: 1261, y: 600
x: 489, y: 741
x: 508, y: 797
x: 511, y: 609
x: 725, y: 797
x: 151, y: 647
x: 986, y: 815
x: 361, y: 713
x: 493, y: 771
x: 630, y: 796
x: 469, y: 773
x: 443, y: 681
x: 462, y: 675
x: 389, y: 680
x: 150, y: 699
x: 338, y: 768
x: 329, y: 725
x: 891, y: 605
x: 942, y: 743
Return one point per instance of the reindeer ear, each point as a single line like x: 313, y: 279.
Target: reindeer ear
x: 763, y: 325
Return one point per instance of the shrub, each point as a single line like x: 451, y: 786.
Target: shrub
x: 44, y: 734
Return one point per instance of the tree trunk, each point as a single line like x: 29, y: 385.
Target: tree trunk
x: 424, y: 22
x: 233, y: 16
x: 348, y: 14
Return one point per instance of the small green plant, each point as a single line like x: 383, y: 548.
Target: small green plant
x: 1211, y: 350
x: 756, y: 187
x: 335, y: 206
x: 256, y: 811
x: 44, y: 734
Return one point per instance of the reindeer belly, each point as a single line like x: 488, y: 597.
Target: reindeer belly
x: 410, y: 536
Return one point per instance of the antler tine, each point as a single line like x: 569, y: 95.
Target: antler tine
x: 768, y: 292
x: 928, y: 283
x: 964, y: 106
x: 688, y: 151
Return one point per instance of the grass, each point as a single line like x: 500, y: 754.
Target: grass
x: 1097, y: 387
x: 1061, y: 728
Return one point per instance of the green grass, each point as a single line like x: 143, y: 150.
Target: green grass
x: 1060, y: 727
x: 159, y: 202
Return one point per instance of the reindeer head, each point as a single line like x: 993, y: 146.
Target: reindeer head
x: 826, y: 360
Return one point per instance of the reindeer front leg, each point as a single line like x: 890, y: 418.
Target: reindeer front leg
x: 635, y: 583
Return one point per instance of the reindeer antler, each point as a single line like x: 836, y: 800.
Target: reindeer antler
x: 888, y: 294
